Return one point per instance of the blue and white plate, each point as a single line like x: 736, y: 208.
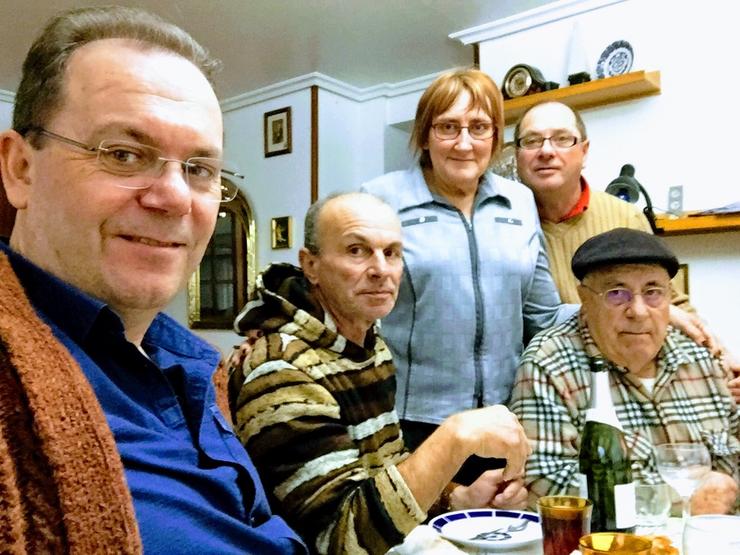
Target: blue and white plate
x: 489, y: 529
x: 616, y: 59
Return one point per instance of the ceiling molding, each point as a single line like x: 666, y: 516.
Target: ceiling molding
x: 306, y: 81
x: 526, y: 20
x: 330, y: 84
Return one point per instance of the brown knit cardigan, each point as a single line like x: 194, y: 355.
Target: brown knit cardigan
x: 62, y: 486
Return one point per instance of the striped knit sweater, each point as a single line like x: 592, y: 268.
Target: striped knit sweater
x: 604, y: 212
x: 316, y: 413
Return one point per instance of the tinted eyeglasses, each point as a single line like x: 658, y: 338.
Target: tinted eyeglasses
x: 653, y: 296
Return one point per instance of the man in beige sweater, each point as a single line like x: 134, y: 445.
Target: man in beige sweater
x: 552, y: 147
x: 551, y: 151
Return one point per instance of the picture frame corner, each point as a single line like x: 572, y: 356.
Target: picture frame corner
x: 278, y: 132
x: 281, y: 232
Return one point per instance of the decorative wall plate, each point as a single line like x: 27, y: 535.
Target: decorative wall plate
x: 616, y: 59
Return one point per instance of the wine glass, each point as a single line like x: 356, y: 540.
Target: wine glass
x: 683, y: 466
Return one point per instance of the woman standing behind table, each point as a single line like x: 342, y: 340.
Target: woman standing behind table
x: 476, y: 282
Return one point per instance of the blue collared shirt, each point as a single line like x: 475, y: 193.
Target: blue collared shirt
x: 195, y: 489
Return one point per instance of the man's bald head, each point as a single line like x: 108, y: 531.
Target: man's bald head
x: 312, y: 223
x: 353, y: 260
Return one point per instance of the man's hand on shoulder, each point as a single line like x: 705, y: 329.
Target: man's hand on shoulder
x: 695, y: 328
x: 241, y: 352
x: 715, y: 495
x: 731, y: 364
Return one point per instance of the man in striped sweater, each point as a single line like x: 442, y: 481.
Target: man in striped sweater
x: 314, y: 400
x: 551, y: 150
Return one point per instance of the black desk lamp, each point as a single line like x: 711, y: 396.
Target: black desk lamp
x: 628, y: 189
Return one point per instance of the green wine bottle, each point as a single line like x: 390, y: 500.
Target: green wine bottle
x: 603, y: 460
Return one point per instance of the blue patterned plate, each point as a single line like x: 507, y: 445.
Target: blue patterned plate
x: 489, y: 529
x: 616, y: 59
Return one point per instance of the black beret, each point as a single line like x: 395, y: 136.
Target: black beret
x: 622, y: 246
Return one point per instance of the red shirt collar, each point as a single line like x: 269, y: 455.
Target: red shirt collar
x: 582, y: 205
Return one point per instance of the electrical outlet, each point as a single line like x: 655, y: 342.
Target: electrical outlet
x: 675, y: 200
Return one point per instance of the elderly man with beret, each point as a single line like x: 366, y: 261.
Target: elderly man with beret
x: 552, y: 147
x: 664, y: 386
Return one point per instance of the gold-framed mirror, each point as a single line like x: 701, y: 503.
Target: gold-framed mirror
x: 223, y: 281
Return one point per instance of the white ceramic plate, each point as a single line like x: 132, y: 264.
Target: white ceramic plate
x: 616, y: 59
x: 489, y: 529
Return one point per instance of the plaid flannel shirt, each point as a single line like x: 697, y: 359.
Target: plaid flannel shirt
x: 690, y: 402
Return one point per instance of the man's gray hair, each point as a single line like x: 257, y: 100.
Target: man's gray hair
x: 40, y: 91
x: 311, y: 224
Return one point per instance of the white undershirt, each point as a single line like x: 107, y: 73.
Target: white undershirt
x: 649, y: 383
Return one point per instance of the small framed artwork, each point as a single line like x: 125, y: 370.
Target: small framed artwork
x: 282, y: 231
x: 277, y: 132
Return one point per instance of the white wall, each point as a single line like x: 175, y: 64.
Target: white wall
x: 398, y: 155
x: 6, y: 111
x: 224, y: 340
x: 671, y: 139
x: 400, y: 116
x: 350, y: 142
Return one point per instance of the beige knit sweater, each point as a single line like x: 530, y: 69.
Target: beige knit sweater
x: 62, y: 485
x: 605, y: 212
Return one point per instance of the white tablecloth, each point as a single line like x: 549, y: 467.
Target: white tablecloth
x: 425, y: 539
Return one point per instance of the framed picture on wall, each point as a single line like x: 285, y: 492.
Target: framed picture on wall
x: 277, y: 132
x: 681, y: 279
x: 282, y: 230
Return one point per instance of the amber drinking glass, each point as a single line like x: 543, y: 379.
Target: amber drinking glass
x: 614, y: 543
x: 564, y: 520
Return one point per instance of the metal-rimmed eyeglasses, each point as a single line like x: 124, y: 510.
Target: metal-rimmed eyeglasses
x: 129, y: 159
x: 653, y: 296
x: 448, y: 130
x: 536, y: 142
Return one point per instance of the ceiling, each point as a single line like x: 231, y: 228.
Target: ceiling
x: 261, y: 42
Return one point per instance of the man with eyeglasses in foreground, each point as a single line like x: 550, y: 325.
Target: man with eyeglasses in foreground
x: 551, y: 151
x: 664, y: 386
x: 111, y: 439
